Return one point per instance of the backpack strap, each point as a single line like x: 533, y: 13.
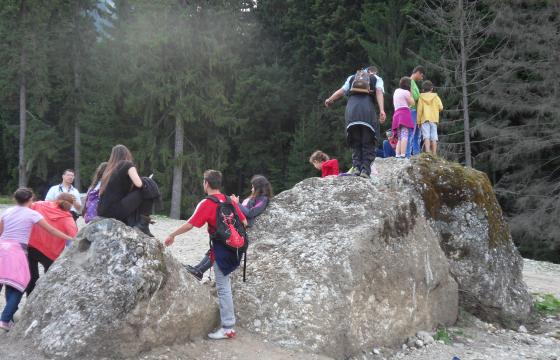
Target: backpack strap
x: 213, y: 199
x: 351, y: 82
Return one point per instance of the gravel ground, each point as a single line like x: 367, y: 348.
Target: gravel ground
x: 470, y: 338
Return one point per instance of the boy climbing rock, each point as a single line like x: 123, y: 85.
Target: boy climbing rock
x: 225, y: 261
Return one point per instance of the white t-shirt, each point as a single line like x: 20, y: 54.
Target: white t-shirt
x: 56, y: 190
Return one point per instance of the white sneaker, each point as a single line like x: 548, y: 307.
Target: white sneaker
x: 222, y: 333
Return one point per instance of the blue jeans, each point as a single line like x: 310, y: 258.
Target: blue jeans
x: 225, y: 298
x: 13, y: 297
x: 388, y: 150
x: 205, y: 263
x: 413, y: 145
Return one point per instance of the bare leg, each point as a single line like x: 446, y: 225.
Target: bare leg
x: 404, y: 142
x: 434, y: 147
x: 427, y: 147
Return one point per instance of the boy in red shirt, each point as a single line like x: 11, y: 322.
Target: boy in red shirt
x: 322, y: 162
x: 225, y: 261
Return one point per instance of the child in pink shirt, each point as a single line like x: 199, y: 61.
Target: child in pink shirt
x: 15, y: 227
x: 402, y: 118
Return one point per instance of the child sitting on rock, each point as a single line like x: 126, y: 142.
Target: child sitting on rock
x: 322, y: 162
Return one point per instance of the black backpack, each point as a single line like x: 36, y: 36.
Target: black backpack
x: 230, y: 231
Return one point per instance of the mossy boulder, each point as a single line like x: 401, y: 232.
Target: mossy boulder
x: 464, y: 211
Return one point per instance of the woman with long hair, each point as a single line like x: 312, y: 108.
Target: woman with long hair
x: 15, y: 227
x: 120, y: 192
x: 44, y: 248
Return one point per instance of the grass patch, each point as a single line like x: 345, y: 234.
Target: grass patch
x: 5, y: 200
x: 443, y: 335
x: 546, y: 304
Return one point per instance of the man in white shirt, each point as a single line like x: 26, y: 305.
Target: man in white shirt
x: 66, y: 186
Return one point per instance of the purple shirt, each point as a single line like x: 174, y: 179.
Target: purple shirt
x: 18, y: 222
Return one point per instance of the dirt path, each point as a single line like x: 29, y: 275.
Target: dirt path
x: 471, y: 338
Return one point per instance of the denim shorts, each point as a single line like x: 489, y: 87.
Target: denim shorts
x: 429, y: 131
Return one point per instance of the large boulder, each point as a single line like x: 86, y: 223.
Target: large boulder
x: 340, y: 264
x: 116, y: 294
x: 462, y: 208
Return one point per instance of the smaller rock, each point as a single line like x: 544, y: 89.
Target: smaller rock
x: 419, y: 343
x: 522, y: 329
x: 425, y: 337
x: 441, y: 342
x: 404, y: 347
x: 410, y: 342
x: 376, y: 351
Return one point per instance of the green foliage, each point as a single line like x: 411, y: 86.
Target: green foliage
x: 547, y: 304
x: 443, y: 335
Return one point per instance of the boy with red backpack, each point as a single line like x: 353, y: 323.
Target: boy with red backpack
x: 228, y: 242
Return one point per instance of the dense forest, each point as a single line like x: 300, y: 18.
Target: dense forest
x: 239, y: 86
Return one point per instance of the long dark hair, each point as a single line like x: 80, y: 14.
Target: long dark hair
x: 98, y: 174
x: 118, y: 153
x: 261, y: 187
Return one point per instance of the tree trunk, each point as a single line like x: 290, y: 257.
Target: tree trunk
x: 78, y: 100
x: 77, y: 179
x: 467, y: 128
x: 22, y: 166
x: 177, y: 186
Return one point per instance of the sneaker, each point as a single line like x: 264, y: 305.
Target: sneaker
x: 6, y: 326
x: 222, y: 333
x: 364, y: 174
x: 194, y: 272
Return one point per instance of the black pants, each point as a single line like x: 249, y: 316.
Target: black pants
x: 129, y: 208
x: 363, y: 142
x: 34, y: 257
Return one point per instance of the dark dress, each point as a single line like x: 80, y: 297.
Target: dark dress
x: 121, y: 200
x: 362, y: 128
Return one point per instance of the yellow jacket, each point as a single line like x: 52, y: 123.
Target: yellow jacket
x: 428, y: 108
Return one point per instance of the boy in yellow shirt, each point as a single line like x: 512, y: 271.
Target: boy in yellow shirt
x: 429, y: 105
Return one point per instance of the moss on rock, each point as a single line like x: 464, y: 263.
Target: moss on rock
x: 443, y: 183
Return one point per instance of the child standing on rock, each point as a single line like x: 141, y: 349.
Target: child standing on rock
x: 402, y: 118
x: 429, y: 107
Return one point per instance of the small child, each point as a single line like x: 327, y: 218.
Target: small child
x: 429, y: 107
x: 322, y: 162
x: 402, y: 124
